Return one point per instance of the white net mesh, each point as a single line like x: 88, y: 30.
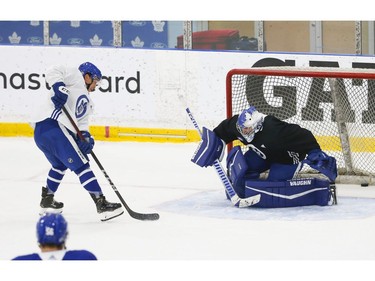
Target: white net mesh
x: 337, y: 105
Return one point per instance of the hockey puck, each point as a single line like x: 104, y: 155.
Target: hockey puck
x: 364, y: 184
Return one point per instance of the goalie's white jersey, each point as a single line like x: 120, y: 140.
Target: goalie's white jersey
x: 79, y: 104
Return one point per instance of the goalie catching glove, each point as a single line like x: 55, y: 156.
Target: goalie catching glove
x: 210, y: 149
x: 323, y: 163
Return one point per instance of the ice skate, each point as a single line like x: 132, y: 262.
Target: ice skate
x: 107, y: 210
x: 48, y: 204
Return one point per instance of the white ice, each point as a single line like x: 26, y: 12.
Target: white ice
x: 198, y: 229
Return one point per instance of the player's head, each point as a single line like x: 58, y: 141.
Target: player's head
x: 52, y: 229
x: 249, y: 122
x: 94, y: 73
x: 91, y: 69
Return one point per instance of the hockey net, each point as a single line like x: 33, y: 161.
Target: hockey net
x: 336, y: 105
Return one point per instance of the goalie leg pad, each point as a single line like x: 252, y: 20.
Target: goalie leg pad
x: 282, y: 172
x: 210, y: 149
x: 238, y: 170
x: 237, y: 167
x: 290, y: 193
x: 256, y: 162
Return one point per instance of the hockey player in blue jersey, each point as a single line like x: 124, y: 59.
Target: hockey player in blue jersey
x: 52, y: 232
x: 276, y: 147
x: 57, y: 139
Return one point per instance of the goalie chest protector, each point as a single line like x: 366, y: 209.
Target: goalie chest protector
x: 290, y: 193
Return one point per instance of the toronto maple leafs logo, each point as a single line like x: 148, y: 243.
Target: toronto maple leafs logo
x: 14, y: 39
x: 137, y: 42
x: 96, y: 41
x: 49, y: 231
x: 75, y: 23
x: 158, y: 26
x: 55, y: 39
x: 81, y: 106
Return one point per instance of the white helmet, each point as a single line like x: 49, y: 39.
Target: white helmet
x: 249, y: 122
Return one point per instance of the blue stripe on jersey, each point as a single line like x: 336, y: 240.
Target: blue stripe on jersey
x: 55, y: 114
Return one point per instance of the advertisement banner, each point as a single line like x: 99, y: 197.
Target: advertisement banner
x: 143, y: 88
x: 21, y: 33
x: 145, y: 34
x: 81, y: 33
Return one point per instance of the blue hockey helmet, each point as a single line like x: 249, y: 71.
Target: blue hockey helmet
x: 91, y: 69
x: 52, y: 229
x: 249, y: 122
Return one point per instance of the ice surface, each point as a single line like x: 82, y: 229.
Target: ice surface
x: 199, y: 234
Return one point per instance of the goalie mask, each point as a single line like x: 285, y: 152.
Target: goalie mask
x: 249, y: 122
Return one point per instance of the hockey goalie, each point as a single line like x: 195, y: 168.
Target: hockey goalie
x: 276, y: 147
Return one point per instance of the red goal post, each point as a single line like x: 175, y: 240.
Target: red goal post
x: 337, y: 105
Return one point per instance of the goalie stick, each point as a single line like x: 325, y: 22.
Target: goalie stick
x: 133, y: 214
x: 234, y: 198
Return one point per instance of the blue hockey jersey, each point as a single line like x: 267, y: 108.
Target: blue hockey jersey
x: 59, y: 255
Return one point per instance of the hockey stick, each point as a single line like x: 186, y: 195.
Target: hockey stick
x: 236, y: 201
x: 133, y: 214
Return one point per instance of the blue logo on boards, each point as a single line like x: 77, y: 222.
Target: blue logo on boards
x: 75, y: 41
x: 137, y: 23
x: 34, y: 40
x: 158, y: 45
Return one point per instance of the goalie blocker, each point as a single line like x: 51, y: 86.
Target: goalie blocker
x: 278, y: 194
x: 210, y: 149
